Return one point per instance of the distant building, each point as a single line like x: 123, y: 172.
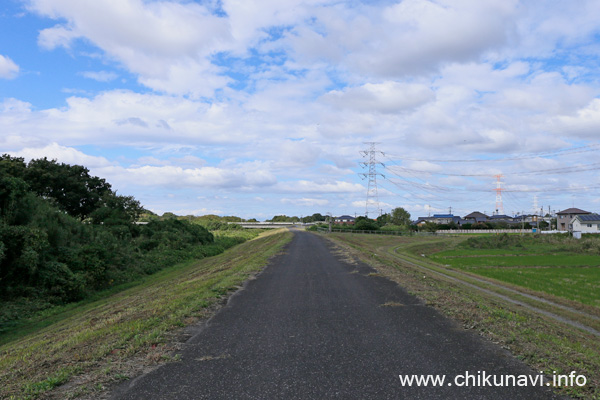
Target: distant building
x: 501, y: 217
x: 476, y: 217
x: 564, y: 219
x: 344, y: 219
x: 586, y: 223
x: 441, y: 219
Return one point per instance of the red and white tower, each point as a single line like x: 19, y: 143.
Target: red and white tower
x: 499, y: 205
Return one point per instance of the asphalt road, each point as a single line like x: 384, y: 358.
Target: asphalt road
x: 312, y: 326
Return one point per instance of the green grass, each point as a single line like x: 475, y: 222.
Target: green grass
x: 137, y: 323
x: 541, y: 264
x: 580, y: 284
x: 461, y: 252
x: 510, y: 260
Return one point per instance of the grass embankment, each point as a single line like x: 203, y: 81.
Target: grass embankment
x: 540, y: 341
x: 91, y: 346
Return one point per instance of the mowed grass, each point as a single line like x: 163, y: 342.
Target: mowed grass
x: 91, y: 346
x: 536, y: 266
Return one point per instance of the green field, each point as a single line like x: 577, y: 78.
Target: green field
x: 557, y: 266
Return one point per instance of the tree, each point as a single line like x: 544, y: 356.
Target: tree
x: 317, y: 217
x: 12, y: 166
x: 384, y: 219
x: 71, y: 186
x: 365, y: 224
x: 430, y: 226
x: 400, y: 217
x: 117, y: 210
x: 283, y: 218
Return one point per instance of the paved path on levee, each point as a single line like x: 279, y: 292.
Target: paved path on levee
x: 312, y: 326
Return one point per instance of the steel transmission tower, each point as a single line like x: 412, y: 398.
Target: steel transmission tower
x: 370, y: 156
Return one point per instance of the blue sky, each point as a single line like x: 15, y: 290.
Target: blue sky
x: 259, y: 108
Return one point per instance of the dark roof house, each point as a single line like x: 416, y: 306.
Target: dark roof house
x: 476, y: 216
x: 501, y: 217
x: 344, y: 219
x: 564, y: 220
x: 573, y: 211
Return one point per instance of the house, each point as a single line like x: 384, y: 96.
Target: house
x: 441, y: 219
x: 586, y: 223
x: 476, y: 217
x: 422, y: 220
x: 526, y: 218
x: 501, y: 217
x: 564, y: 219
x: 344, y: 219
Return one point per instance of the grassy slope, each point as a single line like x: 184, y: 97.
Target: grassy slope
x: 541, y: 342
x: 105, y: 341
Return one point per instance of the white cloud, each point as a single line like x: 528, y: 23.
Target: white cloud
x: 306, y: 202
x: 585, y: 123
x: 304, y: 186
x: 8, y: 68
x: 100, y: 76
x: 58, y: 36
x: 270, y: 99
x: 412, y: 37
x: 387, y: 97
x: 164, y: 42
x: 67, y: 155
x: 243, y: 176
x: 360, y: 204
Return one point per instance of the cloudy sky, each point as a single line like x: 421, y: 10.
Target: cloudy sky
x: 262, y: 107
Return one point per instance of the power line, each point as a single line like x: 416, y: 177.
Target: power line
x: 418, y: 184
x: 561, y: 170
x: 572, y: 150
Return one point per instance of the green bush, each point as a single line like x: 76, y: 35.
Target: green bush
x: 56, y: 249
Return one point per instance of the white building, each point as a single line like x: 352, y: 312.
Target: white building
x: 589, y: 223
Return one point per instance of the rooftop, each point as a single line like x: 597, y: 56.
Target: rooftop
x: 573, y: 211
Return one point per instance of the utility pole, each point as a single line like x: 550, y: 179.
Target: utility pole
x: 371, y: 163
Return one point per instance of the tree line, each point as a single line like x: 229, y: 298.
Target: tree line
x: 65, y: 234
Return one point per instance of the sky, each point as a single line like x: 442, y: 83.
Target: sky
x: 258, y: 108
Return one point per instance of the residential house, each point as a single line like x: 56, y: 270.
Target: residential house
x: 344, y: 219
x: 442, y: 218
x: 501, y: 217
x: 439, y: 219
x: 564, y: 219
x: 586, y: 223
x: 476, y: 217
